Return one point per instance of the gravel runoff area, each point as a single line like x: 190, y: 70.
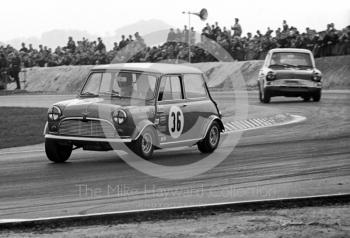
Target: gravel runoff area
x: 329, y: 221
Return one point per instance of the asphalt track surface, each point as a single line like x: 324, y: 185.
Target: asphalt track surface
x: 303, y: 159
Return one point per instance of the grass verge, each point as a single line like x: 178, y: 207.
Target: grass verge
x: 21, y: 126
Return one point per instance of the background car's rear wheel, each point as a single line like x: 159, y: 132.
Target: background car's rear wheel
x: 264, y: 95
x: 316, y: 97
x: 144, y: 145
x: 211, y: 139
x: 56, y: 152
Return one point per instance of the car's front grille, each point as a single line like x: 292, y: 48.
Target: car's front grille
x: 293, y: 76
x: 88, y: 128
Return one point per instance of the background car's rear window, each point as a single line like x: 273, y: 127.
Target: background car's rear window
x: 291, y: 58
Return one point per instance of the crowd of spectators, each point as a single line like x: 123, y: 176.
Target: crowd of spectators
x: 329, y: 42
x: 249, y: 47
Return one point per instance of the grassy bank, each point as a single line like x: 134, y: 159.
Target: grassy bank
x: 21, y: 126
x: 221, y: 75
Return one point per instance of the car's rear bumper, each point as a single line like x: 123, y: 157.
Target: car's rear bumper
x: 87, y: 139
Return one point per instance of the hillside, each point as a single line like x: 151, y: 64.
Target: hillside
x: 67, y: 79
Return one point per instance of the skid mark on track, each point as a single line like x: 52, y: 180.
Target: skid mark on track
x: 256, y: 123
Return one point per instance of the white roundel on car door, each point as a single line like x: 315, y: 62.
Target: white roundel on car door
x: 175, y: 122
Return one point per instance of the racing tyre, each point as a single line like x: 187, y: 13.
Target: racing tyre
x: 211, y: 139
x: 144, y: 145
x: 316, y: 97
x: 56, y: 152
x: 264, y: 95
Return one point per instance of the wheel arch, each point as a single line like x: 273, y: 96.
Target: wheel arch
x: 142, y: 126
x: 213, y: 118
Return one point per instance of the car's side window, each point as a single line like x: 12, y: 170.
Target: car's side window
x: 194, y: 86
x: 170, y: 88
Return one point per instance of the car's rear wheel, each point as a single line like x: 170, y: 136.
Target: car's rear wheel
x: 144, y: 145
x: 316, y: 97
x: 211, y: 139
x: 57, y: 152
x: 264, y: 95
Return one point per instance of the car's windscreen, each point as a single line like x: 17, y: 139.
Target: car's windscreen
x: 120, y: 84
x: 290, y: 59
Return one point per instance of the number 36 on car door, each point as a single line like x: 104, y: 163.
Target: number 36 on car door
x: 175, y: 122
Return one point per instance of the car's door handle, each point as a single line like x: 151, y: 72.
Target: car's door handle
x: 184, y: 105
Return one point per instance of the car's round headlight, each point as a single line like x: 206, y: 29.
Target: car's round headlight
x: 54, y: 113
x: 270, y: 76
x: 316, y: 77
x: 119, y: 116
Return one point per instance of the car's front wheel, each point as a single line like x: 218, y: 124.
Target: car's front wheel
x: 264, y: 95
x: 316, y: 97
x: 56, y: 152
x: 211, y: 139
x: 144, y: 145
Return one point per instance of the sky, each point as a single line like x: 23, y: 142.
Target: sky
x: 23, y: 18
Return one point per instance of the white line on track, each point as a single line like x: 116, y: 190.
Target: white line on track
x: 168, y: 208
x: 20, y: 152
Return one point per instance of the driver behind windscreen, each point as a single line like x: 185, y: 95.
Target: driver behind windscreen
x: 142, y: 88
x: 275, y: 59
x: 125, y: 84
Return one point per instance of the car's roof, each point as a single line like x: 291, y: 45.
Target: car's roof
x: 290, y: 50
x: 151, y: 67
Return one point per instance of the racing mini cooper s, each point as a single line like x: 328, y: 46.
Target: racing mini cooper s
x: 137, y: 106
x: 290, y: 73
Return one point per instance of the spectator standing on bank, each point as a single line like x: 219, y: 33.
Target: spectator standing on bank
x: 185, y: 34
x: 24, y: 49
x: 3, y: 63
x: 71, y: 44
x: 139, y: 39
x: 171, y: 35
x: 15, y: 68
x: 115, y: 46
x: 237, y: 29
x: 268, y: 32
x: 130, y: 39
x: 100, y: 46
x: 178, y: 37
x: 31, y: 49
x: 123, y: 42
x: 192, y: 36
x: 285, y: 26
x: 217, y: 29
x: 344, y: 41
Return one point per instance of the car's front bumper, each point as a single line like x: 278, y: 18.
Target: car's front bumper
x: 87, y: 139
x: 291, y: 91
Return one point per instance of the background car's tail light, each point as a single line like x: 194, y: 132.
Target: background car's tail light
x: 316, y: 77
x: 54, y: 113
x: 119, y: 116
x: 270, y: 76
